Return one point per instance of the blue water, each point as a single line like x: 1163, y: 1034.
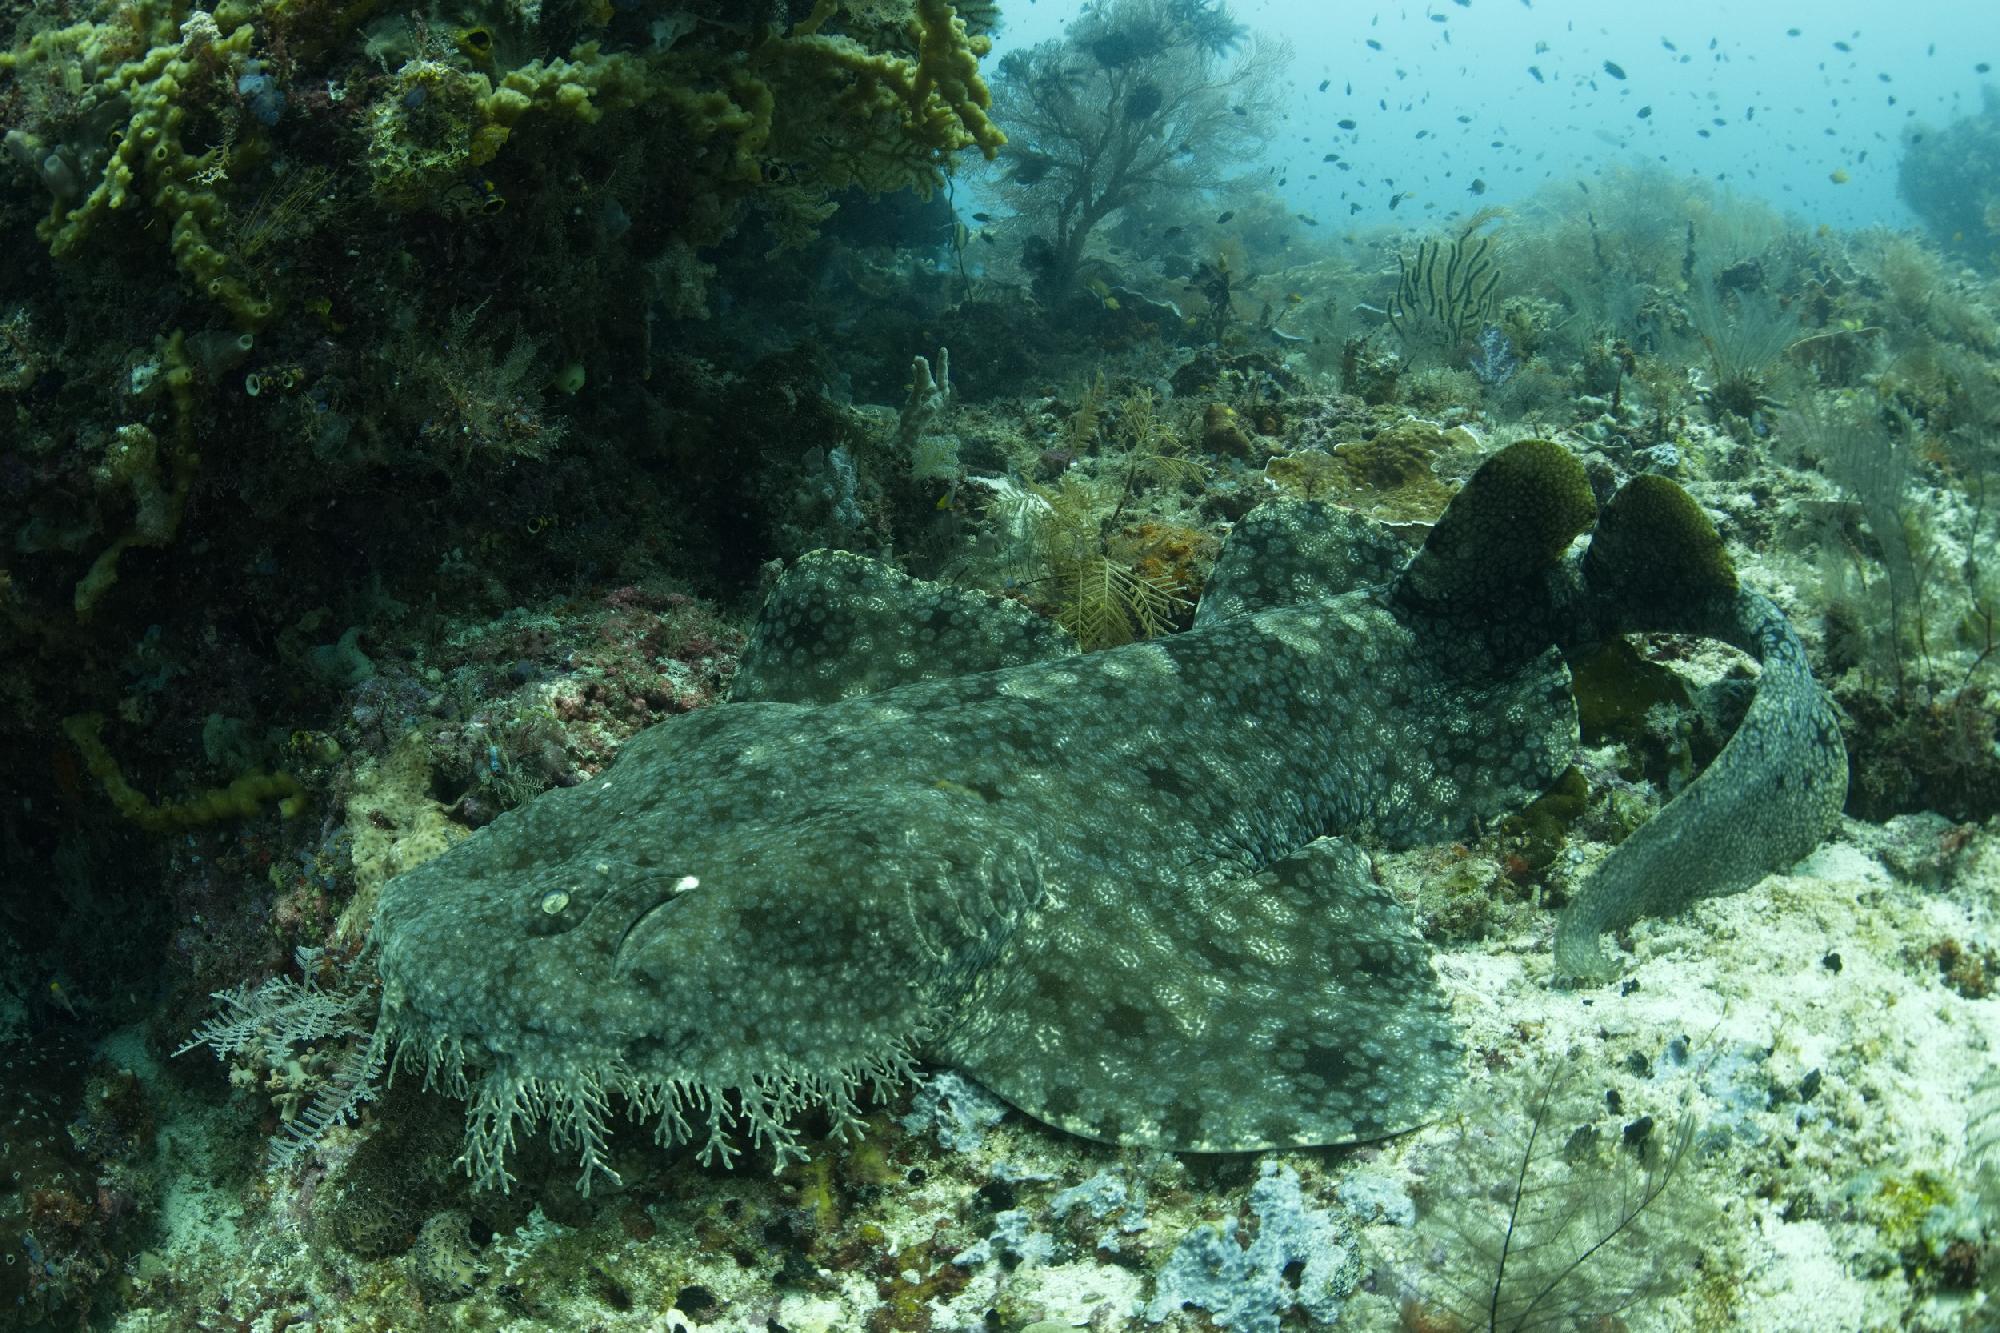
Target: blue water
x: 1728, y: 91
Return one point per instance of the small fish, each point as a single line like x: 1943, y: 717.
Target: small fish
x: 1541, y: 47
x: 1239, y: 110
x: 1172, y: 232
x: 1352, y: 209
x: 1307, y: 218
x: 1423, y: 134
x: 1374, y: 45
x: 1478, y: 186
x: 982, y: 217
x: 1614, y: 69
x: 1536, y: 71
x: 1669, y: 45
x: 1225, y: 217
x: 1323, y: 84
x: 1838, y: 176
x: 1842, y: 46
x: 1645, y: 112
x: 1397, y: 198
x: 1791, y: 32
x: 1345, y: 124
x: 1331, y: 157
x: 1981, y: 68
x: 1465, y: 120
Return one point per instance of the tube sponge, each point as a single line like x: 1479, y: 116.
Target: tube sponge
x: 239, y: 800
x: 147, y: 159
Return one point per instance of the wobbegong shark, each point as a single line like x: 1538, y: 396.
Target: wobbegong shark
x: 1123, y: 890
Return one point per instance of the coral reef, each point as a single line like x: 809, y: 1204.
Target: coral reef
x: 74, y: 1159
x: 409, y: 408
x: 1946, y: 176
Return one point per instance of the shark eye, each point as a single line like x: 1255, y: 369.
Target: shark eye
x: 548, y: 899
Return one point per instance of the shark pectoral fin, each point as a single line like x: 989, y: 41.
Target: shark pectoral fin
x: 1293, y: 1007
x: 1292, y: 552
x: 839, y: 625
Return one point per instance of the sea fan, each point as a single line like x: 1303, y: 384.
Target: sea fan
x: 1208, y: 25
x: 1571, y: 1224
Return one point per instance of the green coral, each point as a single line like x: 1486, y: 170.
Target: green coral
x: 1537, y: 833
x: 134, y: 463
x: 140, y: 116
x: 1625, y: 698
x: 439, y: 122
x: 864, y: 95
x: 924, y: 109
x: 848, y: 97
x: 1391, y: 475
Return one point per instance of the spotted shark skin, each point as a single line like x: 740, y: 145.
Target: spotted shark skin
x: 1123, y: 890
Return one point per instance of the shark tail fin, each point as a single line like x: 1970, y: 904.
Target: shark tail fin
x: 1656, y: 563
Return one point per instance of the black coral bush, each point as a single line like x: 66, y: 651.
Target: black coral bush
x: 1551, y: 1211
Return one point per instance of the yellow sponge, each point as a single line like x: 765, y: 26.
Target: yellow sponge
x: 241, y: 799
